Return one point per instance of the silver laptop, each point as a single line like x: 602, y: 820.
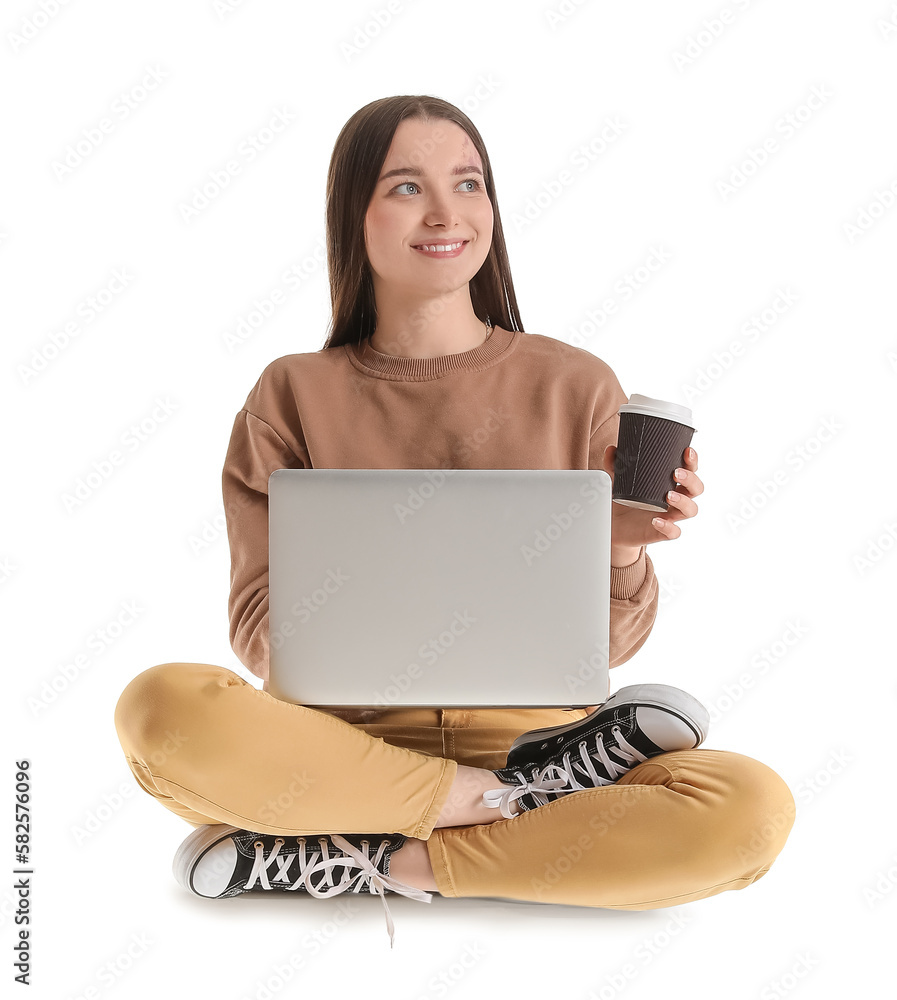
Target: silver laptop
x: 439, y: 588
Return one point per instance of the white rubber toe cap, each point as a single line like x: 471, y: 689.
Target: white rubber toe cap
x: 204, y: 863
x: 213, y: 873
x: 666, y: 730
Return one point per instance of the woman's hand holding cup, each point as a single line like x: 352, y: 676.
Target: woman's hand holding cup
x: 650, y: 491
x: 631, y: 527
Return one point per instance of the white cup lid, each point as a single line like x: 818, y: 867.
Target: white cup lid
x: 658, y: 408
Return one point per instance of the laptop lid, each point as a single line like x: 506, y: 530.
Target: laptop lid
x: 439, y: 587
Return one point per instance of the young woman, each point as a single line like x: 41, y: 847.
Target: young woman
x: 427, y: 366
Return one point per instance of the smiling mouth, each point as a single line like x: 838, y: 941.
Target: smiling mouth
x: 440, y: 247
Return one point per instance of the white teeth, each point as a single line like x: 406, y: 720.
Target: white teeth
x: 442, y: 249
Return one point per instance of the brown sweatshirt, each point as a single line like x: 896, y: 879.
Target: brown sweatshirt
x: 518, y: 401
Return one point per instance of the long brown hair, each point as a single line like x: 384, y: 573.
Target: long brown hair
x: 358, y: 156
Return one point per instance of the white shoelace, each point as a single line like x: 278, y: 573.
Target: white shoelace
x: 501, y: 798
x: 565, y: 780
x: 320, y: 860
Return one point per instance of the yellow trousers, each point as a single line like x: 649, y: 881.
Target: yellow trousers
x: 678, y: 827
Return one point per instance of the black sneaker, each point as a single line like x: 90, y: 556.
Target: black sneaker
x: 635, y: 723
x: 220, y: 860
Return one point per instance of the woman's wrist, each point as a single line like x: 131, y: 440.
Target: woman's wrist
x: 624, y: 555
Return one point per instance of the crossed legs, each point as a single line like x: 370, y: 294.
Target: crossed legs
x: 680, y: 826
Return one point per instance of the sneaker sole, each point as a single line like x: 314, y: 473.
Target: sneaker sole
x: 197, y: 843
x: 683, y: 705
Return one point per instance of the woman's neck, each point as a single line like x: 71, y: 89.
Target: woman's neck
x: 405, y: 332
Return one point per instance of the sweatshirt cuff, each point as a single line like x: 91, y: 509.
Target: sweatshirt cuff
x: 626, y: 581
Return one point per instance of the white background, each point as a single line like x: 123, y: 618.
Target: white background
x: 778, y: 598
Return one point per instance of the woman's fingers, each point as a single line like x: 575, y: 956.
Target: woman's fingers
x: 683, y: 504
x: 668, y: 528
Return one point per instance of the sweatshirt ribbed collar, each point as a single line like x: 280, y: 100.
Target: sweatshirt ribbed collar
x: 389, y: 366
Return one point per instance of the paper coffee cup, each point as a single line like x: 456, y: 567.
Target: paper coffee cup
x: 653, y: 435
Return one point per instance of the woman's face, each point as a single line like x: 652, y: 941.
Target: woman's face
x: 436, y: 195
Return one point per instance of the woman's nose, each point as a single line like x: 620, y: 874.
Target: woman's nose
x: 439, y: 210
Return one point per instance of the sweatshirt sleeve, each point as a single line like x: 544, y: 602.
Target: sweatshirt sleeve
x: 633, y: 588
x: 254, y: 452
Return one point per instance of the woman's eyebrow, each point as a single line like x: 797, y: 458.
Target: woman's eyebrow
x: 415, y: 172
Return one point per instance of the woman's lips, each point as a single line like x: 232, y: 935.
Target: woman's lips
x: 442, y: 253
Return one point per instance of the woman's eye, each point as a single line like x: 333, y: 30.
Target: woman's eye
x: 471, y: 180
x: 406, y: 184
